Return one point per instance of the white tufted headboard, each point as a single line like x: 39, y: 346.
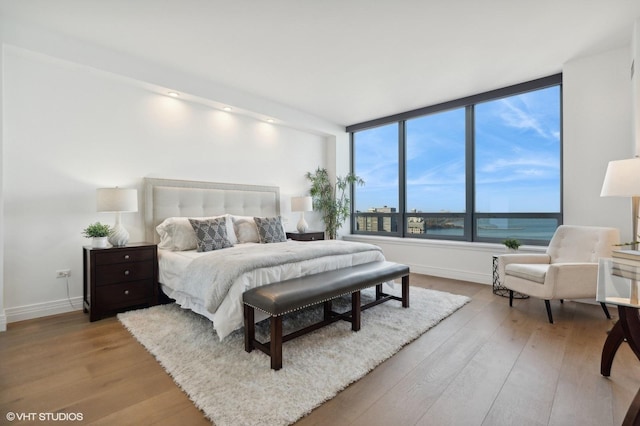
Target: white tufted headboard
x: 180, y: 198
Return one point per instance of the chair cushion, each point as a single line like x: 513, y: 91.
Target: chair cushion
x: 526, y: 271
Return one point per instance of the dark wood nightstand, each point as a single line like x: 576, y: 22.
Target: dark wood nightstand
x: 119, y: 278
x: 305, y: 236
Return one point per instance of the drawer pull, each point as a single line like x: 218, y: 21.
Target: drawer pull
x: 126, y: 272
x: 126, y: 292
x: 126, y: 256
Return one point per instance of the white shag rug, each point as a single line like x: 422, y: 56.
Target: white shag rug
x: 233, y: 387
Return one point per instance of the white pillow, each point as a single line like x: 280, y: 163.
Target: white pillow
x: 245, y: 229
x: 177, y: 234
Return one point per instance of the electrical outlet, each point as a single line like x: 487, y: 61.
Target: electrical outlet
x: 63, y: 273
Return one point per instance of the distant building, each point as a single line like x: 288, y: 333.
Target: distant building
x: 415, y: 225
x: 383, y: 219
x: 378, y: 223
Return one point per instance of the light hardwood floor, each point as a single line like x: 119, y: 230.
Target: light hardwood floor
x: 487, y: 364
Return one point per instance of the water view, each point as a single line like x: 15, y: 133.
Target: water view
x: 537, y: 229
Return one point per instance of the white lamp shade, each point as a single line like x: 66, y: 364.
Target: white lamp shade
x: 117, y: 200
x: 622, y: 179
x: 301, y: 204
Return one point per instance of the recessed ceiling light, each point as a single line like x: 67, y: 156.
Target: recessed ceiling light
x: 173, y: 94
x: 227, y: 108
x: 270, y: 120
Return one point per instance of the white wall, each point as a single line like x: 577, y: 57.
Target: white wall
x: 635, y: 84
x: 3, y: 317
x: 597, y: 128
x: 71, y: 130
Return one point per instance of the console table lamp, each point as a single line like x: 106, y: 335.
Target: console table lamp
x: 302, y: 204
x: 623, y: 180
x: 117, y: 200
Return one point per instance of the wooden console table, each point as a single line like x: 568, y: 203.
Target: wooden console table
x: 617, y: 287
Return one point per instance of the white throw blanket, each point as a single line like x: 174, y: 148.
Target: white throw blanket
x: 219, y: 270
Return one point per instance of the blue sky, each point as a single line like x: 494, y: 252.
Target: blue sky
x: 517, y: 158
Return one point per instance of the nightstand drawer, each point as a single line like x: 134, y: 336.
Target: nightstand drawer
x: 115, y: 296
x: 124, y: 256
x: 119, y: 272
x: 306, y: 236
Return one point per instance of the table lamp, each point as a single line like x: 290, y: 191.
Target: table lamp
x: 302, y: 204
x: 623, y: 180
x: 117, y: 200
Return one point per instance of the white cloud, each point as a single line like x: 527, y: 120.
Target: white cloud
x: 520, y: 118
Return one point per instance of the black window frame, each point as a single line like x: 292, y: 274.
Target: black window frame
x: 470, y: 232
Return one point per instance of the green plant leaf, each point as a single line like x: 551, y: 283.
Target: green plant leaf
x: 96, y: 230
x: 511, y: 243
x: 331, y: 200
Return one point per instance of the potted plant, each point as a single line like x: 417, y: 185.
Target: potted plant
x: 512, y: 244
x: 98, y: 232
x: 331, y: 200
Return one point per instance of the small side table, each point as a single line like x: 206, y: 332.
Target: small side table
x: 498, y: 288
x: 618, y: 285
x: 116, y: 279
x: 305, y: 236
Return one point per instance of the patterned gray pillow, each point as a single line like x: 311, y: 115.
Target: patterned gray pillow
x: 270, y: 229
x: 211, y: 234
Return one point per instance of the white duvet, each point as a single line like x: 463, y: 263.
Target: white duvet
x: 188, y: 276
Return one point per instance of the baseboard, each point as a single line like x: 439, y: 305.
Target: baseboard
x: 21, y: 313
x: 3, y: 321
x: 454, y: 274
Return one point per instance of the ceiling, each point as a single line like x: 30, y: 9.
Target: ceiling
x: 346, y: 61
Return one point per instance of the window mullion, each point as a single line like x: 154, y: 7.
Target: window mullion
x: 402, y: 178
x: 469, y: 227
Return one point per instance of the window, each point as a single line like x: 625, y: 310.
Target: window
x: 482, y: 168
x: 517, y: 166
x: 436, y: 174
x: 376, y: 203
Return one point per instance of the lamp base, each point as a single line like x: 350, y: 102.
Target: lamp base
x: 302, y: 225
x: 118, y: 237
x: 635, y: 206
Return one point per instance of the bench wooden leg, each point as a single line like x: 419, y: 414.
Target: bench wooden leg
x: 327, y: 310
x: 405, y: 291
x: 379, y: 293
x: 249, y: 328
x: 276, y: 343
x: 355, y: 311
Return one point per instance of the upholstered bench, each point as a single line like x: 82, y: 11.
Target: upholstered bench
x: 278, y: 299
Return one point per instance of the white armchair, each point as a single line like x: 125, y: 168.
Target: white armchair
x: 568, y: 270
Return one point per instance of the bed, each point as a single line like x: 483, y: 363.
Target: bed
x: 211, y: 283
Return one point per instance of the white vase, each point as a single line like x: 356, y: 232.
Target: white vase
x: 99, y: 242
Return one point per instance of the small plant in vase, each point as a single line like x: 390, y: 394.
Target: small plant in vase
x: 98, y: 232
x: 511, y: 244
